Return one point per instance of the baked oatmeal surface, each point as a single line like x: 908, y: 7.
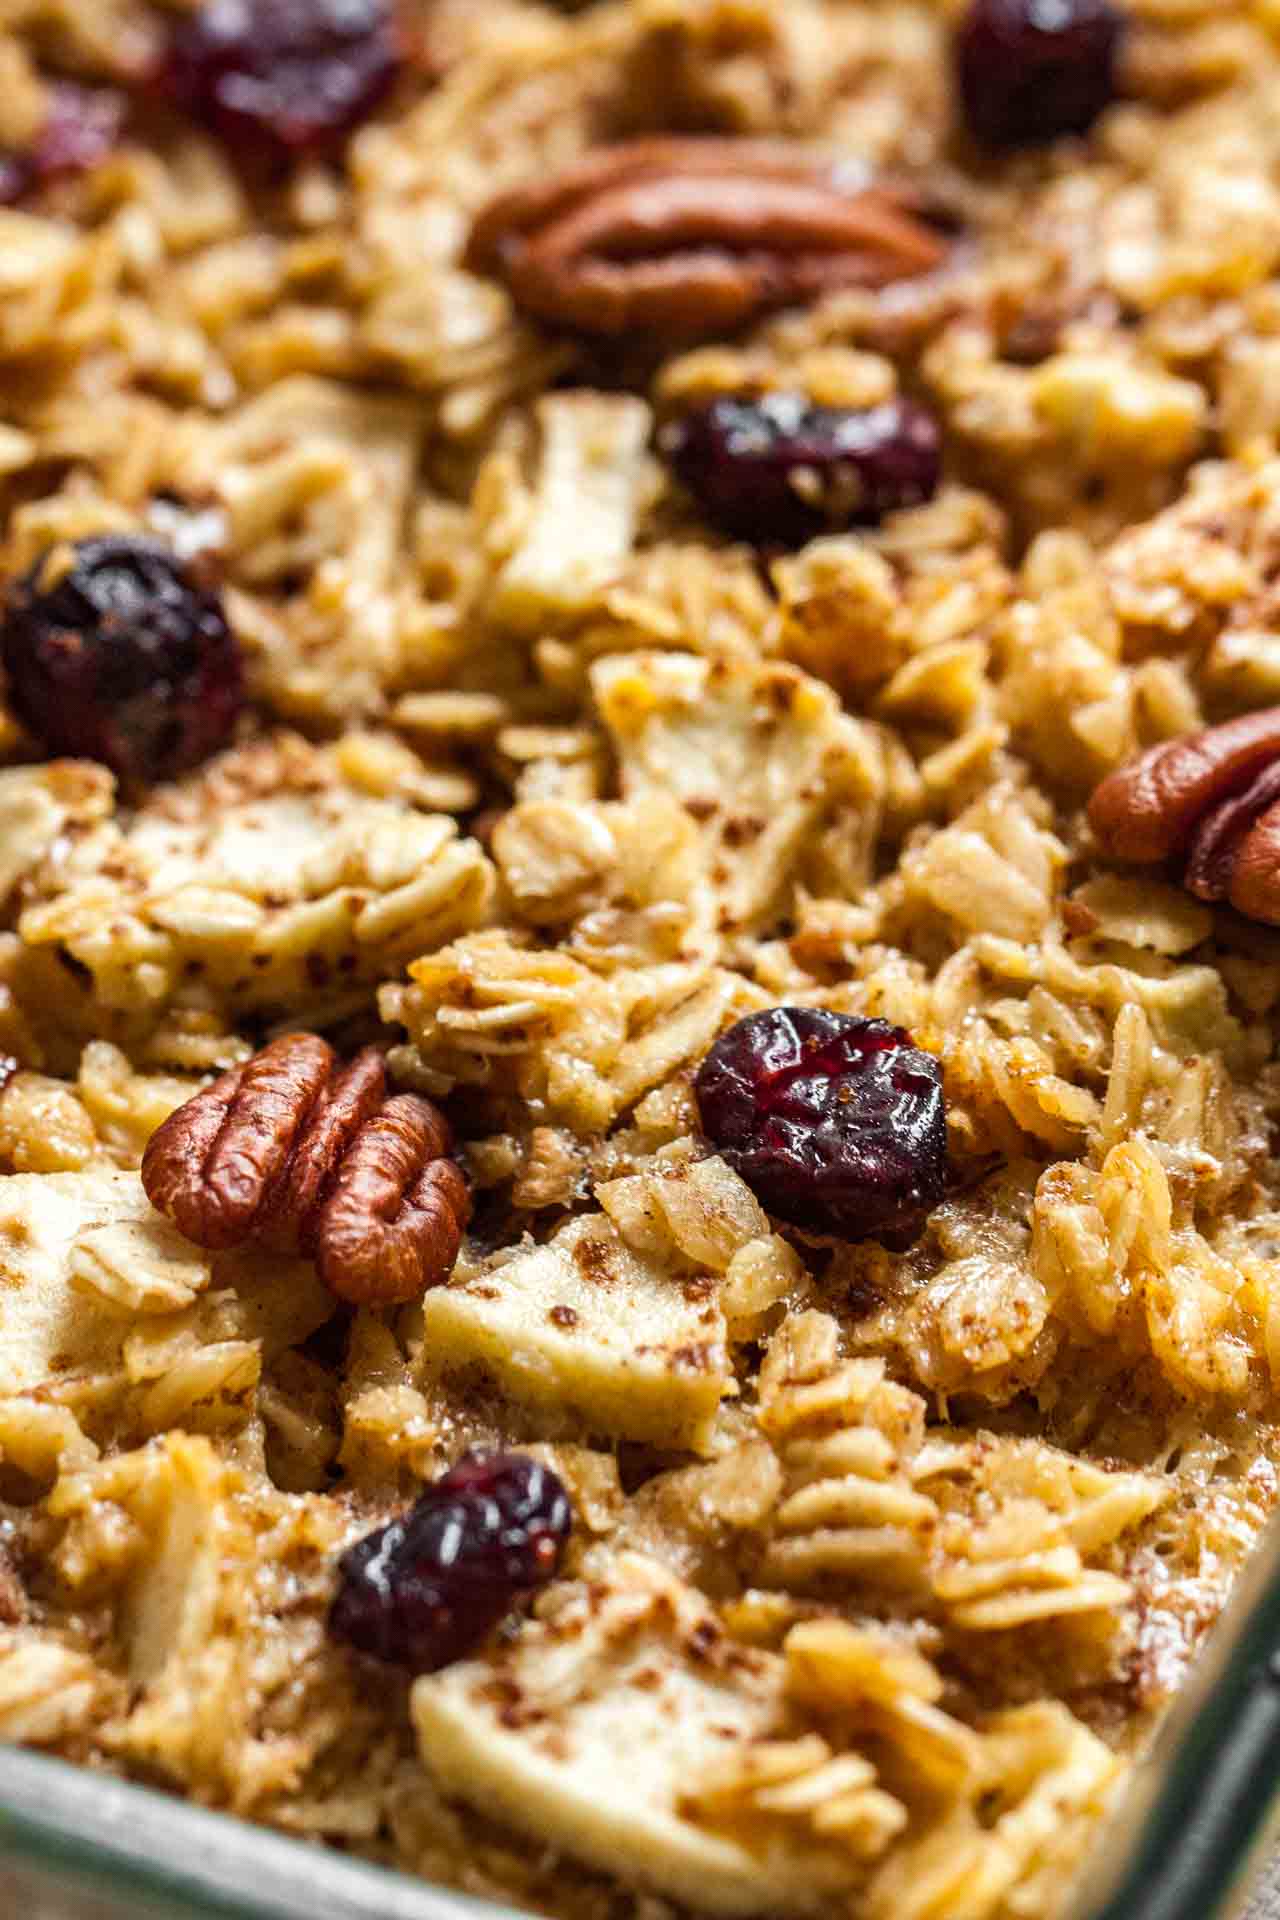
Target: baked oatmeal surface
x: 533, y: 535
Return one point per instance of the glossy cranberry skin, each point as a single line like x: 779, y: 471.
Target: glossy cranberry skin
x: 778, y: 470
x: 122, y: 657
x: 429, y: 1588
x: 274, y: 78
x: 81, y: 127
x: 1031, y: 70
x: 836, y: 1123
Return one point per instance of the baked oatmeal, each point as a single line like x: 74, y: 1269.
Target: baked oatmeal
x: 639, y: 923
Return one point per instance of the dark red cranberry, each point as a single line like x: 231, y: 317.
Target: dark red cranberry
x: 778, y: 470
x: 837, y: 1124
x: 429, y: 1587
x: 1030, y: 70
x: 122, y: 657
x: 281, y: 77
x: 81, y: 127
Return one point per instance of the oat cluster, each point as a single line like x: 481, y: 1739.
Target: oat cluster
x: 559, y: 738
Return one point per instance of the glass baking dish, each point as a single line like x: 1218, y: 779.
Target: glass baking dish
x: 1199, y: 1818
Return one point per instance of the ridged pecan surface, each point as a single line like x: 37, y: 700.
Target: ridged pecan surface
x: 686, y: 236
x: 1210, y: 800
x: 301, y: 1153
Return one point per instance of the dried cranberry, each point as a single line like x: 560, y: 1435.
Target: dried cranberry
x: 429, y: 1587
x: 122, y: 657
x: 780, y: 470
x: 837, y: 1124
x: 284, y: 76
x: 81, y: 127
x: 1029, y: 70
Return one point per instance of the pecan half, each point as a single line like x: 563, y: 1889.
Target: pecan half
x: 689, y: 236
x: 396, y: 1201
x: 300, y: 1153
x: 1210, y: 800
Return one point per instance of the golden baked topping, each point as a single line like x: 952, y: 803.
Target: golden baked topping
x: 695, y: 236
x: 295, y: 1152
x: 1212, y: 797
x: 701, y: 492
